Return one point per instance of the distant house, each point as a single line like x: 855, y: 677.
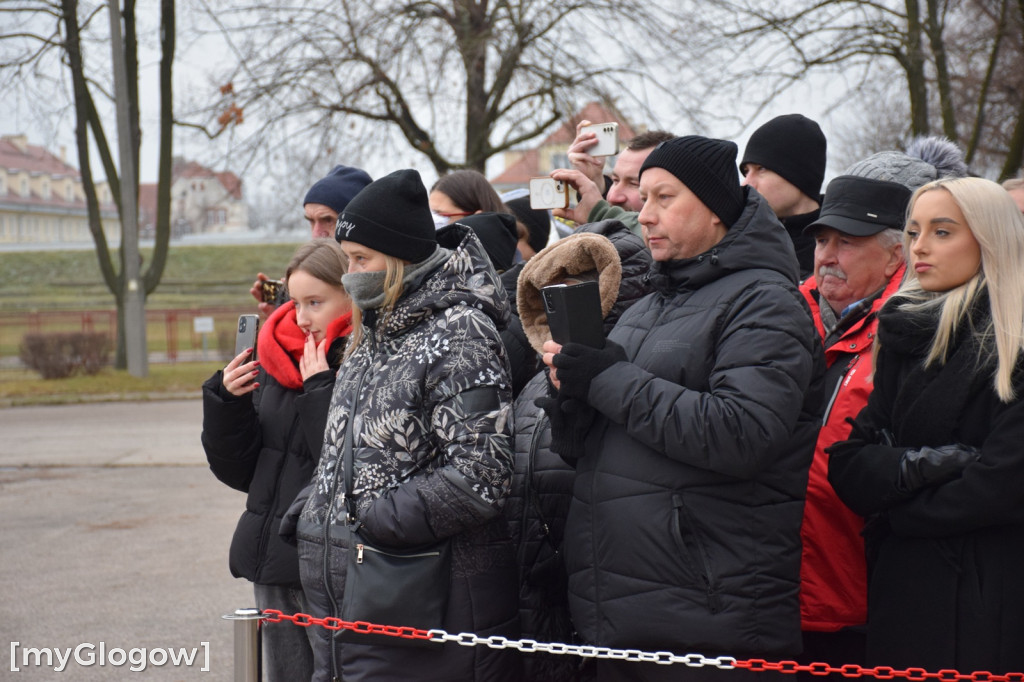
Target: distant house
x: 203, y: 201
x: 553, y: 152
x: 41, y: 198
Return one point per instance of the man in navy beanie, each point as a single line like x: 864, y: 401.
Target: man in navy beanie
x: 692, y: 431
x: 785, y: 162
x: 327, y: 198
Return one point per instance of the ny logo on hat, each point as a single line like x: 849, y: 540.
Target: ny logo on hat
x: 345, y: 225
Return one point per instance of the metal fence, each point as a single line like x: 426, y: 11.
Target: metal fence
x: 180, y: 335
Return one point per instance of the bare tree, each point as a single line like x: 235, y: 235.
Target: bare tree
x: 64, y: 32
x: 459, y: 80
x: 960, y: 62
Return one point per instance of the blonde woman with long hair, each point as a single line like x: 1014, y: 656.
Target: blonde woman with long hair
x: 417, y: 454
x: 935, y: 462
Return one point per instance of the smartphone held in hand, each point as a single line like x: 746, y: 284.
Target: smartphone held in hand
x: 270, y: 289
x: 548, y: 193
x: 574, y: 313
x: 245, y: 337
x: 607, y: 138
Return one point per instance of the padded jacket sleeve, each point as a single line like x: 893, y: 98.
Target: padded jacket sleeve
x: 471, y: 420
x: 760, y: 367
x: 231, y: 434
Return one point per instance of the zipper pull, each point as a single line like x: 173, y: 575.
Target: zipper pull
x: 359, y: 554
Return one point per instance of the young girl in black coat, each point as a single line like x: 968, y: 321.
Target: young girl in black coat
x: 935, y: 460
x: 263, y: 427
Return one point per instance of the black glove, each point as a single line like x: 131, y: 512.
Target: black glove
x: 570, y: 422
x: 578, y: 364
x: 929, y: 466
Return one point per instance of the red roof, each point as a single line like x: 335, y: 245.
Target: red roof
x: 17, y: 155
x: 191, y: 169
x: 594, y: 112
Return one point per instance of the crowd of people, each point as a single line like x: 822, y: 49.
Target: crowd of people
x: 796, y: 441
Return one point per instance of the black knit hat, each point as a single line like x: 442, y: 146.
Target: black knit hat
x: 708, y: 169
x: 391, y: 215
x: 792, y: 146
x: 497, y: 233
x: 862, y: 206
x: 337, y: 188
x: 537, y: 221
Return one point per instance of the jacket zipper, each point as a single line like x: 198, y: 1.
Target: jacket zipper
x: 839, y: 384
x: 338, y: 470
x: 530, y: 497
x: 360, y: 548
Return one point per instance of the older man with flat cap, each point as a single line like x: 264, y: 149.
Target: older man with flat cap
x: 858, y: 264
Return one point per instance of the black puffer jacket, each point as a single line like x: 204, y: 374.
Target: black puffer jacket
x: 542, y: 487
x: 523, y: 359
x: 684, y: 529
x: 427, y: 392
x: 266, y: 444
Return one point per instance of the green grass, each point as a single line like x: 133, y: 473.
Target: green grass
x: 196, y: 278
x: 181, y: 380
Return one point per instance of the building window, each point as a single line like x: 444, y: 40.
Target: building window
x: 216, y: 216
x: 69, y: 192
x: 24, y: 187
x: 560, y: 161
x: 46, y: 188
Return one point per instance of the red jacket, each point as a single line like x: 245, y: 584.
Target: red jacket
x: 833, y: 573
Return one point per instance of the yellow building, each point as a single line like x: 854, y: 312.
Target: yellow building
x: 41, y: 198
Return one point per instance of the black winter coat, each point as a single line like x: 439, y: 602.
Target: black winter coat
x: 265, y: 444
x: 428, y: 396
x: 542, y: 486
x: 944, y: 563
x: 684, y: 528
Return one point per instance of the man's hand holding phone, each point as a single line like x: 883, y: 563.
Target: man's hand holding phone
x: 589, y: 194
x: 580, y: 157
x: 265, y: 307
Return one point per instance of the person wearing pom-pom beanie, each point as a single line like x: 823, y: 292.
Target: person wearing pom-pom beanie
x: 263, y: 425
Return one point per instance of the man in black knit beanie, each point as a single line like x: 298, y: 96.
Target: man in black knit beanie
x: 785, y: 162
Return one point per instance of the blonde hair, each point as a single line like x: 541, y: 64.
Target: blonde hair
x: 394, y: 273
x: 998, y: 227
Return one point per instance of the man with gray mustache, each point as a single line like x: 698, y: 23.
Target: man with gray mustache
x: 858, y: 264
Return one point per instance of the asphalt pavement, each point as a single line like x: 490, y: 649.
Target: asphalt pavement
x: 113, y: 545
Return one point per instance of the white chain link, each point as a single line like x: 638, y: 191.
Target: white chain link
x: 635, y: 655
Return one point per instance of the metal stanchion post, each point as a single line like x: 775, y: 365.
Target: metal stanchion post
x: 248, y: 649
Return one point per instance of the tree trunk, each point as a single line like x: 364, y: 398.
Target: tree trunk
x: 934, y: 28
x: 155, y: 270
x: 917, y: 84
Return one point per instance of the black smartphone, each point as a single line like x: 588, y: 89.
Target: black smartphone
x: 574, y: 313
x: 245, y: 337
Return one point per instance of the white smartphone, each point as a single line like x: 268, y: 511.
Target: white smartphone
x: 548, y: 193
x: 607, y: 138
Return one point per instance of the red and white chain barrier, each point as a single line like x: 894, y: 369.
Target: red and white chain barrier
x: 659, y: 657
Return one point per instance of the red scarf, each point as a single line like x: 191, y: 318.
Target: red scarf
x: 281, y: 343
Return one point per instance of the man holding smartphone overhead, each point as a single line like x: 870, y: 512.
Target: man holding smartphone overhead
x: 601, y: 198
x: 692, y: 430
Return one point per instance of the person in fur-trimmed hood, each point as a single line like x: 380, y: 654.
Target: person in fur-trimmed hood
x: 425, y: 397
x: 617, y: 259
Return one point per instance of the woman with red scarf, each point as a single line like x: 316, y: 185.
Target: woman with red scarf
x: 263, y: 426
